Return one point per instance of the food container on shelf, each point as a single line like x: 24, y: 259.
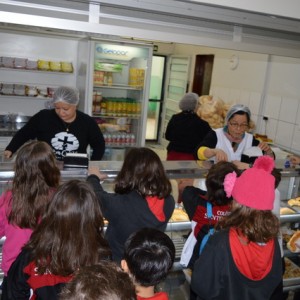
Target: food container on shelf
x: 20, y: 63
x: 43, y: 65
x: 7, y: 62
x: 67, y: 67
x: 31, y: 64
x: 55, y: 66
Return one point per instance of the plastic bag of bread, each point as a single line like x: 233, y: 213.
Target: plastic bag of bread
x: 294, y: 243
x: 213, y: 110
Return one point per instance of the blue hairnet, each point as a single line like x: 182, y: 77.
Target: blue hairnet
x: 67, y: 95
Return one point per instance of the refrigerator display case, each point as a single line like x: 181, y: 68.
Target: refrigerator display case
x: 118, y: 92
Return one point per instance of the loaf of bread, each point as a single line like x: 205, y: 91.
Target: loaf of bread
x: 294, y: 242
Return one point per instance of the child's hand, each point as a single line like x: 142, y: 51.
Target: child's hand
x: 93, y: 170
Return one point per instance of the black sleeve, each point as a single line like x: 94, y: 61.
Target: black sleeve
x: 190, y: 199
x: 96, y: 141
x: 17, y: 286
x: 26, y: 133
x: 169, y: 130
x: 94, y: 181
x: 210, y: 141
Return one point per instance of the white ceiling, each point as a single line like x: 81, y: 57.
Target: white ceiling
x: 164, y: 20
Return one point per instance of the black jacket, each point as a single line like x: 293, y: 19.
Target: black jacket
x: 127, y: 213
x: 216, y: 276
x: 185, y: 131
x: 48, y: 127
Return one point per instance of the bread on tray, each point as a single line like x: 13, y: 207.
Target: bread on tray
x: 294, y: 202
x: 294, y: 242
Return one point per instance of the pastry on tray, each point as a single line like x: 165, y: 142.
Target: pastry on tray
x: 294, y: 242
x: 294, y: 202
x: 286, y: 211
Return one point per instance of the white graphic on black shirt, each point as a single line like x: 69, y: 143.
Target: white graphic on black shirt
x: 64, y: 142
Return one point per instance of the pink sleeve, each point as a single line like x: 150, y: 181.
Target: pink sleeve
x: 4, y: 198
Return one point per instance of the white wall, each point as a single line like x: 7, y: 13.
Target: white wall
x: 268, y: 84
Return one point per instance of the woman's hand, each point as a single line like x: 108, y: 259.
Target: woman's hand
x: 295, y: 160
x: 266, y: 148
x: 93, y: 170
x: 220, y: 155
x: 7, y: 154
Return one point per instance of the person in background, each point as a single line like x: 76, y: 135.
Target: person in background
x: 185, y: 130
x: 295, y: 160
x: 21, y: 207
x: 230, y: 142
x: 104, y: 281
x: 69, y: 237
x: 243, y: 259
x: 149, y: 255
x: 142, y: 198
x: 64, y: 128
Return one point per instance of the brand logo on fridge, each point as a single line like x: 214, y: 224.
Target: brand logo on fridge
x: 110, y: 51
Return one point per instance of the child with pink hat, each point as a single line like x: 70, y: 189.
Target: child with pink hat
x: 243, y: 259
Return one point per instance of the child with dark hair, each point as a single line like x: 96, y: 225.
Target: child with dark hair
x: 69, y: 237
x: 198, y: 202
x: 142, y: 198
x: 243, y: 259
x: 104, y: 281
x: 36, y: 178
x: 148, y: 257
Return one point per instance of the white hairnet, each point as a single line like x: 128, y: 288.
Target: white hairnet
x: 235, y: 108
x: 67, y: 95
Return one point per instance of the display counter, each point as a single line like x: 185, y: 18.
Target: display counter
x: 180, y: 170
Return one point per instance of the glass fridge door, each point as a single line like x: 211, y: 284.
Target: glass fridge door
x: 120, y: 89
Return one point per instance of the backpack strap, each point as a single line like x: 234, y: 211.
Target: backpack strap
x: 211, y: 230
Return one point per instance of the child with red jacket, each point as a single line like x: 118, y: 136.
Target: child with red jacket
x: 243, y: 259
x: 198, y: 202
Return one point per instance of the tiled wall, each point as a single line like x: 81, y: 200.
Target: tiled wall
x: 279, y: 100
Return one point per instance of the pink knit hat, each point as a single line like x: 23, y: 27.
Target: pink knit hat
x: 255, y: 188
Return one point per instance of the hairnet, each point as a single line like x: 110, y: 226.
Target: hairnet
x: 66, y: 94
x: 235, y: 108
x: 188, y: 101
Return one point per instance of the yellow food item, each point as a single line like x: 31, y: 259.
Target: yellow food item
x: 294, y: 202
x: 294, y: 242
x: 179, y: 215
x: 286, y: 211
x: 43, y: 65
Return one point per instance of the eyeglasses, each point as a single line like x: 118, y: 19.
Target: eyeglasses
x: 237, y: 125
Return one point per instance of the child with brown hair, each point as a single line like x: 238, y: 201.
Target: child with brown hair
x: 142, y: 198
x: 243, y: 260
x: 103, y: 281
x: 69, y: 237
x: 36, y: 177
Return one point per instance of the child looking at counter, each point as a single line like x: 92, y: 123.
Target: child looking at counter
x: 205, y: 209
x: 142, y: 198
x: 148, y: 257
x: 36, y: 178
x: 243, y: 259
x: 69, y: 237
